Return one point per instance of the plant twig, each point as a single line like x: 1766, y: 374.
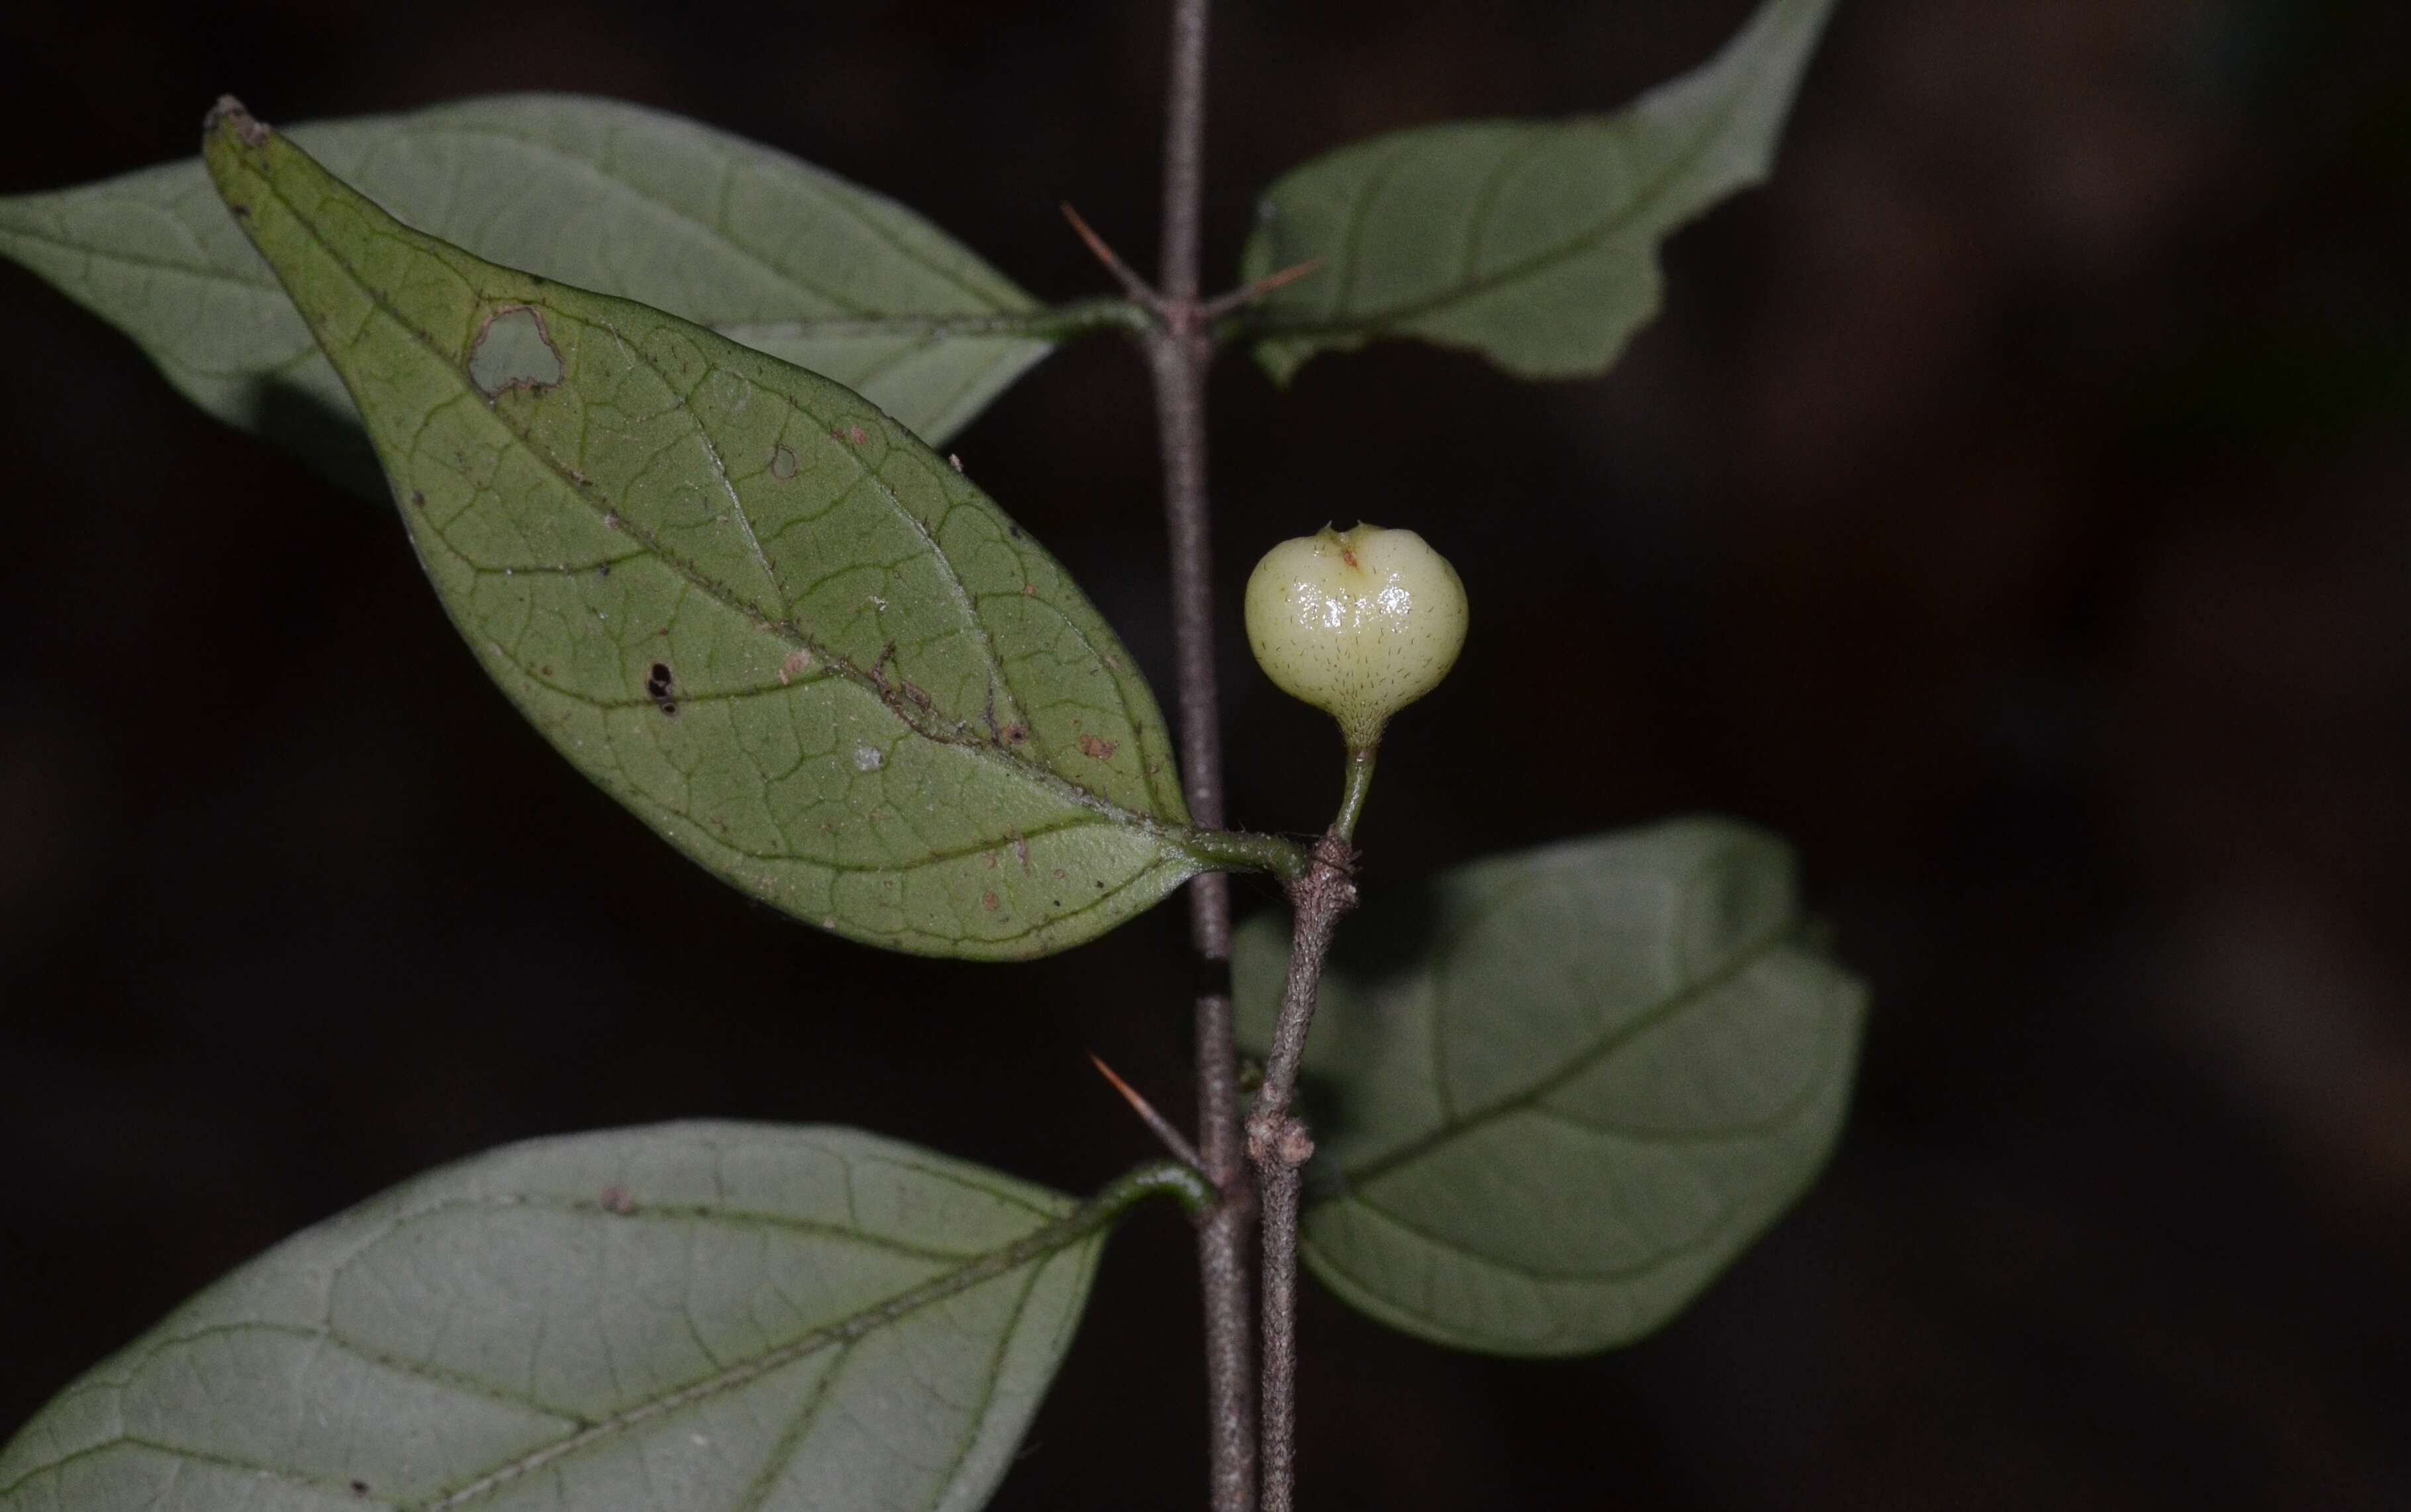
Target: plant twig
x: 1179, y: 350
x: 1184, y: 150
x: 1278, y: 1143
x: 1317, y: 901
x: 1279, y: 1180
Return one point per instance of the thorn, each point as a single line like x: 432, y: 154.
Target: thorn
x: 1173, y: 1139
x: 1134, y: 285
x: 1222, y: 304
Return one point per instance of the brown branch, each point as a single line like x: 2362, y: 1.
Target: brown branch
x: 1184, y: 150
x: 1179, y: 350
x: 1279, y: 1180
x: 1280, y: 1146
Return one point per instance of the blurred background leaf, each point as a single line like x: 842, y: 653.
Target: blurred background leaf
x: 594, y: 193
x: 1532, y: 242
x: 1554, y: 1093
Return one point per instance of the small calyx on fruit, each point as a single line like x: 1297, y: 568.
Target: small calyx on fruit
x: 1359, y: 623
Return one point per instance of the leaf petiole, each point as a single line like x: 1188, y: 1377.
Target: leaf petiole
x: 1242, y: 850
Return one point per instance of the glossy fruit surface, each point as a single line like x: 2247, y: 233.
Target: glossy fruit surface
x: 1359, y: 623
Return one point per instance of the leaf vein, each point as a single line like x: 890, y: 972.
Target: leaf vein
x: 1607, y: 1045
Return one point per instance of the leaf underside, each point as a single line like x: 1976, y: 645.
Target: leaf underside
x: 747, y: 603
x: 1532, y: 244
x: 684, y: 1318
x: 1554, y: 1093
x: 724, y: 232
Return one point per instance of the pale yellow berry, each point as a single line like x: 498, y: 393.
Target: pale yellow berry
x: 1359, y: 623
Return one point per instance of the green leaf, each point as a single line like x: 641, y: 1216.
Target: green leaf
x: 1557, y: 1093
x: 682, y: 1318
x: 773, y: 252
x: 751, y: 606
x: 1533, y: 243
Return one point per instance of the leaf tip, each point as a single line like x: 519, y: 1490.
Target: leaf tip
x: 232, y: 115
x: 1281, y: 361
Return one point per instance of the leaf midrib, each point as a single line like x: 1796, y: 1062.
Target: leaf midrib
x: 1272, y: 325
x: 1607, y: 1045
x: 1608, y: 1275
x: 1037, y: 324
x: 1044, y: 1243
x: 206, y: 272
x: 1038, y: 1246
x: 1054, y: 782
x: 721, y: 234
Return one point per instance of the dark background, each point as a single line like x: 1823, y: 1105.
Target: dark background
x: 2010, y: 506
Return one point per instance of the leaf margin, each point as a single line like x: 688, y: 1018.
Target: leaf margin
x: 1284, y: 337
x: 1067, y: 1228
x: 296, y: 400
x: 234, y: 138
x: 1259, y: 961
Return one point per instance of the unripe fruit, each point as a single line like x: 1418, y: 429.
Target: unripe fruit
x: 1359, y: 623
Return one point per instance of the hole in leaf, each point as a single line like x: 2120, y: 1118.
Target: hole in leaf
x: 513, y: 351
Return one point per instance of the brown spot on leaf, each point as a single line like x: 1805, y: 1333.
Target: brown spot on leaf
x: 618, y: 1198
x: 1096, y: 750
x: 988, y: 901
x: 782, y: 463
x: 798, y: 662
x: 417, y: 498
x: 1016, y: 733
